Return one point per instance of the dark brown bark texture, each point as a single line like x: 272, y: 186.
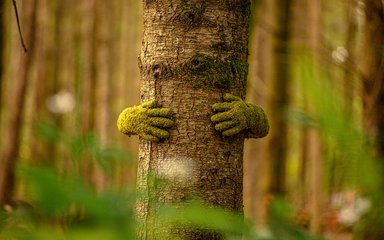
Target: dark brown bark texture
x: 192, y: 53
x: 372, y: 68
x: 373, y: 72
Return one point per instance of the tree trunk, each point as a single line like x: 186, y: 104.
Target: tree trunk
x: 279, y: 97
x: 3, y: 30
x: 10, y: 148
x: 372, y: 68
x: 192, y: 53
x: 349, y: 71
x: 103, y: 75
x: 256, y: 172
x: 312, y: 136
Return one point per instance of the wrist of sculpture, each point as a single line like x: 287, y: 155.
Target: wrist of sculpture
x: 257, y: 121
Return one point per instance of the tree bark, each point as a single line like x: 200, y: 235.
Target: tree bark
x: 312, y: 136
x: 192, y: 53
x: 10, y: 148
x: 279, y: 97
x: 256, y: 172
x: 372, y: 69
x: 103, y: 76
x: 2, y: 48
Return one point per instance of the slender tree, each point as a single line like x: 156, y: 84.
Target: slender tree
x: 279, y: 96
x: 312, y: 137
x: 256, y: 172
x: 103, y: 74
x: 2, y: 46
x: 3, y: 30
x: 350, y: 45
x: 10, y: 148
x: 372, y: 68
x: 194, y: 56
x: 373, y: 72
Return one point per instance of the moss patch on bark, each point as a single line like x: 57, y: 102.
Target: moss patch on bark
x: 208, y: 71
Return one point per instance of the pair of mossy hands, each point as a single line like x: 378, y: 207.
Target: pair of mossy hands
x: 151, y: 122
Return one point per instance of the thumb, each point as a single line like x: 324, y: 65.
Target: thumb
x: 150, y: 104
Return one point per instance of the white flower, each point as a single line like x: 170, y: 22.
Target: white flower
x: 352, y: 212
x: 61, y: 102
x: 340, y: 55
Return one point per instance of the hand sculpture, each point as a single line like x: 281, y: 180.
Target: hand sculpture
x: 147, y: 120
x: 234, y: 116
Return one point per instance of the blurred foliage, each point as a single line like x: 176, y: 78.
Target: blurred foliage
x: 344, y: 139
x: 345, y: 143
x: 64, y: 206
x: 81, y: 145
x: 342, y: 135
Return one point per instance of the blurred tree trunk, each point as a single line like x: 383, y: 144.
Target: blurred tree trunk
x: 350, y: 45
x: 279, y: 96
x: 41, y: 86
x: 103, y: 37
x: 3, y: 30
x: 129, y: 76
x: 179, y: 37
x: 372, y: 68
x: 10, y: 148
x: 312, y: 141
x: 300, y: 35
x: 255, y: 167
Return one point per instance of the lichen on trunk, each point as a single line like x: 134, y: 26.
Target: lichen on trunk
x: 193, y: 52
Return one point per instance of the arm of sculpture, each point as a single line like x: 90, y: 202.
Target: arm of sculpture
x: 147, y: 120
x: 234, y: 116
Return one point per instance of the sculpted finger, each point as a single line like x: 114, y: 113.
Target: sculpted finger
x: 222, y: 107
x: 149, y: 137
x: 158, y: 132
x: 160, y: 112
x: 160, y: 122
x: 221, y: 117
x: 225, y: 125
x: 232, y: 131
x: 230, y: 97
x: 150, y: 104
x: 121, y: 120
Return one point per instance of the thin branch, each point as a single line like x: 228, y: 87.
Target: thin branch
x: 18, y: 26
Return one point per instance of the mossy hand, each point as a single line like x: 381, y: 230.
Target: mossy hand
x: 147, y: 120
x: 234, y: 116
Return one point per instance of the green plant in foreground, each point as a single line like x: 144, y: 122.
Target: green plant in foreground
x: 60, y: 207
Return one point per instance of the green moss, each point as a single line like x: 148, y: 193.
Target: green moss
x: 221, y: 46
x: 200, y: 64
x: 207, y: 71
x: 191, y: 16
x: 147, y: 120
x: 241, y: 7
x: 234, y: 116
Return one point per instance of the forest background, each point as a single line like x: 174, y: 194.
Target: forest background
x: 315, y: 67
